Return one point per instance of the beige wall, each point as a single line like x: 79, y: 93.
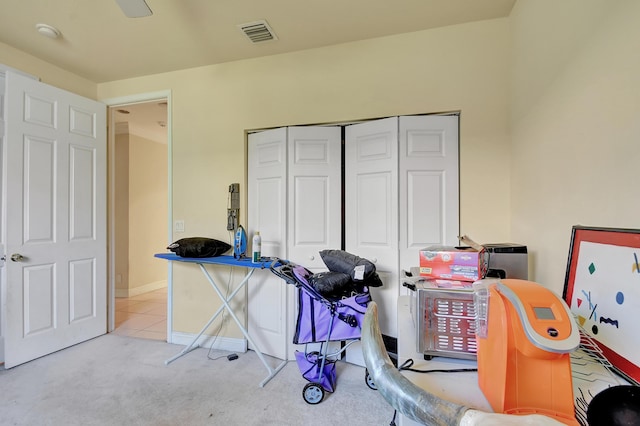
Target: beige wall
x: 459, y: 68
x: 575, y: 126
x: 47, y: 73
x: 121, y: 212
x: 148, y: 213
x: 141, y: 213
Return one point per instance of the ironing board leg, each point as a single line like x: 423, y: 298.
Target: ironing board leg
x: 272, y: 372
x: 193, y: 344
x: 244, y: 331
x: 225, y: 305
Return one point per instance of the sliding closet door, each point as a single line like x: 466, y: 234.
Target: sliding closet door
x: 314, y: 182
x: 401, y: 195
x: 267, y: 206
x: 428, y: 185
x: 371, y: 207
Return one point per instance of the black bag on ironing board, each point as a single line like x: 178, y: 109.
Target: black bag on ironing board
x: 199, y: 247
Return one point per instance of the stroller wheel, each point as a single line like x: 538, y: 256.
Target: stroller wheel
x: 312, y: 393
x: 369, y: 380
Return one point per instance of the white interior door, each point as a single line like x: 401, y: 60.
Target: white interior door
x: 371, y: 207
x: 428, y: 185
x: 55, y: 160
x: 267, y: 201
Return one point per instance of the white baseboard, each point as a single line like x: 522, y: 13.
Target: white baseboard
x: 130, y: 292
x: 206, y: 341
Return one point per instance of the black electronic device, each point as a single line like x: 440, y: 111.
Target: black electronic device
x: 507, y: 260
x: 233, y: 210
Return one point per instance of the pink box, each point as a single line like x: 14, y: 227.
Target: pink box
x: 453, y: 263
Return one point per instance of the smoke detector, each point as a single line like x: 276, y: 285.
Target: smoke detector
x: 48, y: 31
x: 258, y: 31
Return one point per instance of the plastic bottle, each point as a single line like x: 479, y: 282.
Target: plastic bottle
x: 256, y: 248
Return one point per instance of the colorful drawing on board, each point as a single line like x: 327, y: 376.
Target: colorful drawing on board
x: 609, y: 321
x: 581, y: 320
x: 635, y: 267
x: 592, y: 307
x: 593, y: 314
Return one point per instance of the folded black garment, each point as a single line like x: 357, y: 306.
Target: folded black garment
x: 199, y: 247
x: 359, y: 269
x: 331, y: 284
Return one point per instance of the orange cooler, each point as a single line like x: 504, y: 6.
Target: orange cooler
x: 525, y: 336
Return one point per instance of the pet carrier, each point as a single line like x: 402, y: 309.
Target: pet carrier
x: 321, y: 319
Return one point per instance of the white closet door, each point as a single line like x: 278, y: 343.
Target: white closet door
x: 371, y: 207
x: 267, y: 203
x: 314, y: 220
x: 429, y: 194
x: 314, y: 201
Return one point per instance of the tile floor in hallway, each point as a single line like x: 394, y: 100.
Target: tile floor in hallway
x: 143, y: 316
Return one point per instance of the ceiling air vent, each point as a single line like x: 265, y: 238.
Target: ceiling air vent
x: 258, y: 31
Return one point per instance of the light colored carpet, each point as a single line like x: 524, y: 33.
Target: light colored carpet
x: 118, y: 380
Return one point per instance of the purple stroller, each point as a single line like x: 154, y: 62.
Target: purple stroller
x: 322, y: 319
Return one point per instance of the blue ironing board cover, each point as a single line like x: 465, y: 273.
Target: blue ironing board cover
x: 244, y: 262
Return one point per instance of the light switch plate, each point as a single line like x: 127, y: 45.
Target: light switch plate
x: 179, y: 226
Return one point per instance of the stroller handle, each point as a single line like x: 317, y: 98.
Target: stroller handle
x: 284, y: 270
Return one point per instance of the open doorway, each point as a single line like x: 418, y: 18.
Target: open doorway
x: 139, y: 217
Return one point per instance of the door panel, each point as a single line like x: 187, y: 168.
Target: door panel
x: 56, y: 186
x: 424, y: 209
x: 267, y: 294
x: 82, y: 219
x: 315, y: 195
x: 374, y: 204
x: 39, y: 299
x: 429, y: 184
x: 82, y: 288
x: 371, y: 207
x: 39, y: 173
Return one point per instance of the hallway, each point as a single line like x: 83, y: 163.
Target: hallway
x: 142, y: 316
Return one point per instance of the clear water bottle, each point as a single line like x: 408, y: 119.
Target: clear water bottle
x: 256, y: 248
x: 481, y: 304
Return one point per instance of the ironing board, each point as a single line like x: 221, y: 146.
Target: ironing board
x: 224, y: 261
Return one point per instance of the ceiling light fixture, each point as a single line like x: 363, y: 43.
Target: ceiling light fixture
x: 48, y: 31
x: 134, y: 8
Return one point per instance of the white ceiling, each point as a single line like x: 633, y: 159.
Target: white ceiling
x: 101, y: 44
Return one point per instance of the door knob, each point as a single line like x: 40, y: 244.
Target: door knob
x: 17, y: 257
